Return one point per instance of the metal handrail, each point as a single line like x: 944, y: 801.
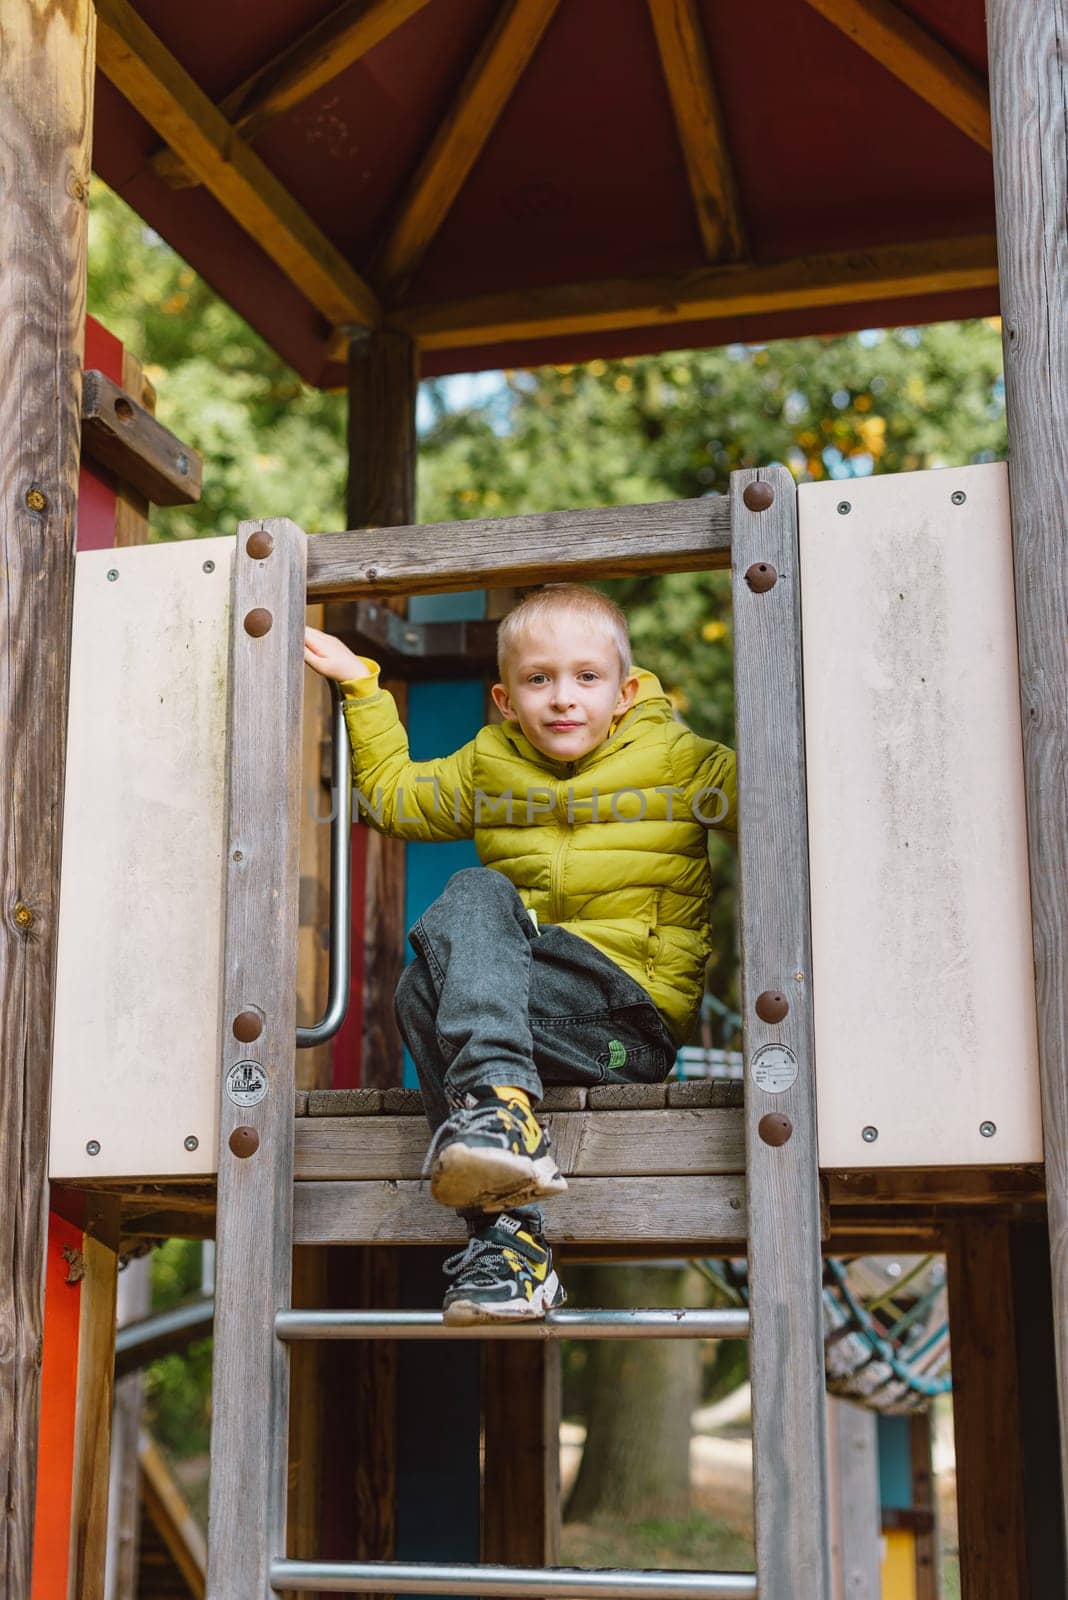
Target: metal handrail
x: 639, y: 1324
x: 418, y: 1577
x: 339, y: 982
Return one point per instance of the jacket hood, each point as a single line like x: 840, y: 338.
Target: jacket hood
x: 651, y: 705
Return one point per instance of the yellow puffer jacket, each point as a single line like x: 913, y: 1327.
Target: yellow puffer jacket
x: 612, y: 847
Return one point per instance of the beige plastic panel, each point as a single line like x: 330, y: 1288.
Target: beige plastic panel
x: 921, y: 922
x: 137, y: 984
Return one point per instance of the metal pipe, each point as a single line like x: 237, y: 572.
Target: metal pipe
x: 426, y: 1577
x: 337, y: 1002
x: 138, y: 1343
x: 293, y: 1325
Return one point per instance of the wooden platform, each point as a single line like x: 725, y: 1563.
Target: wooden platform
x: 651, y: 1170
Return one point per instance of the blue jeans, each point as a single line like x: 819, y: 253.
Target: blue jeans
x: 491, y: 1000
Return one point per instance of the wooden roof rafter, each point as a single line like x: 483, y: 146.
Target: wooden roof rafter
x: 917, y: 59
x: 461, y: 138
x: 699, y: 122
x: 313, y: 60
x: 930, y: 267
x: 159, y: 88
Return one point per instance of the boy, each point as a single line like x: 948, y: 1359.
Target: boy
x: 576, y: 953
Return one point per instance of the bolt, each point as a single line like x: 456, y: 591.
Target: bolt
x: 870, y: 1134
x: 958, y: 497
x: 113, y: 573
x: 209, y: 566
x: 799, y: 977
x: 372, y: 574
x: 775, y: 1128
x: 258, y: 622
x: 23, y: 915
x: 123, y: 409
x: 247, y: 1026
x: 237, y: 856
x: 182, y: 463
x: 191, y: 1142
x: 758, y: 496
x: 244, y: 1142
x: 36, y: 499
x: 771, y: 1006
x: 93, y: 1147
x: 988, y: 1129
x: 259, y: 545
x: 761, y: 577
x: 844, y: 508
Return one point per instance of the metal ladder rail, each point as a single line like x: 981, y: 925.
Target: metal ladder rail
x: 378, y: 1577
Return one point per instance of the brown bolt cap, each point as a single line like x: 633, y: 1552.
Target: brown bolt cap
x: 758, y: 496
x: 248, y: 1025
x: 259, y: 545
x: 244, y: 1142
x: 258, y: 622
x: 771, y: 1006
x: 775, y: 1128
x: 761, y: 577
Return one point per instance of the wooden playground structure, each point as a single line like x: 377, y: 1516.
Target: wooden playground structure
x: 903, y: 948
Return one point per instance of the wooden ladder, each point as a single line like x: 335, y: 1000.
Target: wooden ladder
x: 276, y: 569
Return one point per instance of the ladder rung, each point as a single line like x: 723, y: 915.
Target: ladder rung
x: 394, y: 1577
x: 292, y: 1325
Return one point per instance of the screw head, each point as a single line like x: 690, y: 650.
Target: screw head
x: 93, y: 1147
x: 182, y: 463
x: 775, y: 1128
x: 113, y: 573
x: 761, y: 577
x: 988, y: 1129
x: 870, y: 1134
x: 758, y: 496
x: 247, y: 1025
x: 772, y: 1005
x: 192, y: 1142
x: 844, y: 508
x: 258, y: 622
x: 36, y: 499
x: 958, y: 497
x: 209, y: 566
x: 259, y: 545
x: 244, y: 1142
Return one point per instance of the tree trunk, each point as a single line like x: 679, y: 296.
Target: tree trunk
x: 641, y: 1394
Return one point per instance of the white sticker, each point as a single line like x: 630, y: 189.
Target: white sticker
x: 774, y: 1068
x: 246, y: 1083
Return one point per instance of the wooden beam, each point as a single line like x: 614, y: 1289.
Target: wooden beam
x: 699, y: 121
x: 848, y: 277
x: 46, y: 112
x: 459, y: 141
x: 853, y: 1475
x: 521, y: 1393
x: 159, y: 88
x: 782, y: 1179
x: 668, y: 1211
x: 609, y: 541
x: 1029, y: 91
x: 119, y: 434
x: 131, y: 507
x: 986, y: 1414
x: 93, y: 1410
x: 917, y: 59
x: 175, y: 1523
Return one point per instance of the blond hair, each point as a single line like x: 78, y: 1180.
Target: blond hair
x: 574, y: 598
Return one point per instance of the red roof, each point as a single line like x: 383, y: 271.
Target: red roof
x: 582, y: 178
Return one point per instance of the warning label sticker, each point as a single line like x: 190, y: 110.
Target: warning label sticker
x: 774, y: 1068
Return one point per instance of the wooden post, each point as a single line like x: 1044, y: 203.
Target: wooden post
x: 853, y: 1468
x: 986, y: 1416
x: 925, y: 1506
x: 96, y: 1387
x: 782, y: 1179
x: 1028, y: 92
x: 521, y: 1471
x: 254, y: 1260
x: 381, y: 494
x: 46, y: 112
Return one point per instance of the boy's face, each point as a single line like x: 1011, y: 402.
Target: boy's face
x: 565, y: 687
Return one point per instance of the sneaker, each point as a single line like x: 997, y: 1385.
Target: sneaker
x: 491, y: 1155
x: 505, y: 1275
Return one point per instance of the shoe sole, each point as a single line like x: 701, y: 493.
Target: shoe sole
x: 465, y: 1313
x: 466, y: 1176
